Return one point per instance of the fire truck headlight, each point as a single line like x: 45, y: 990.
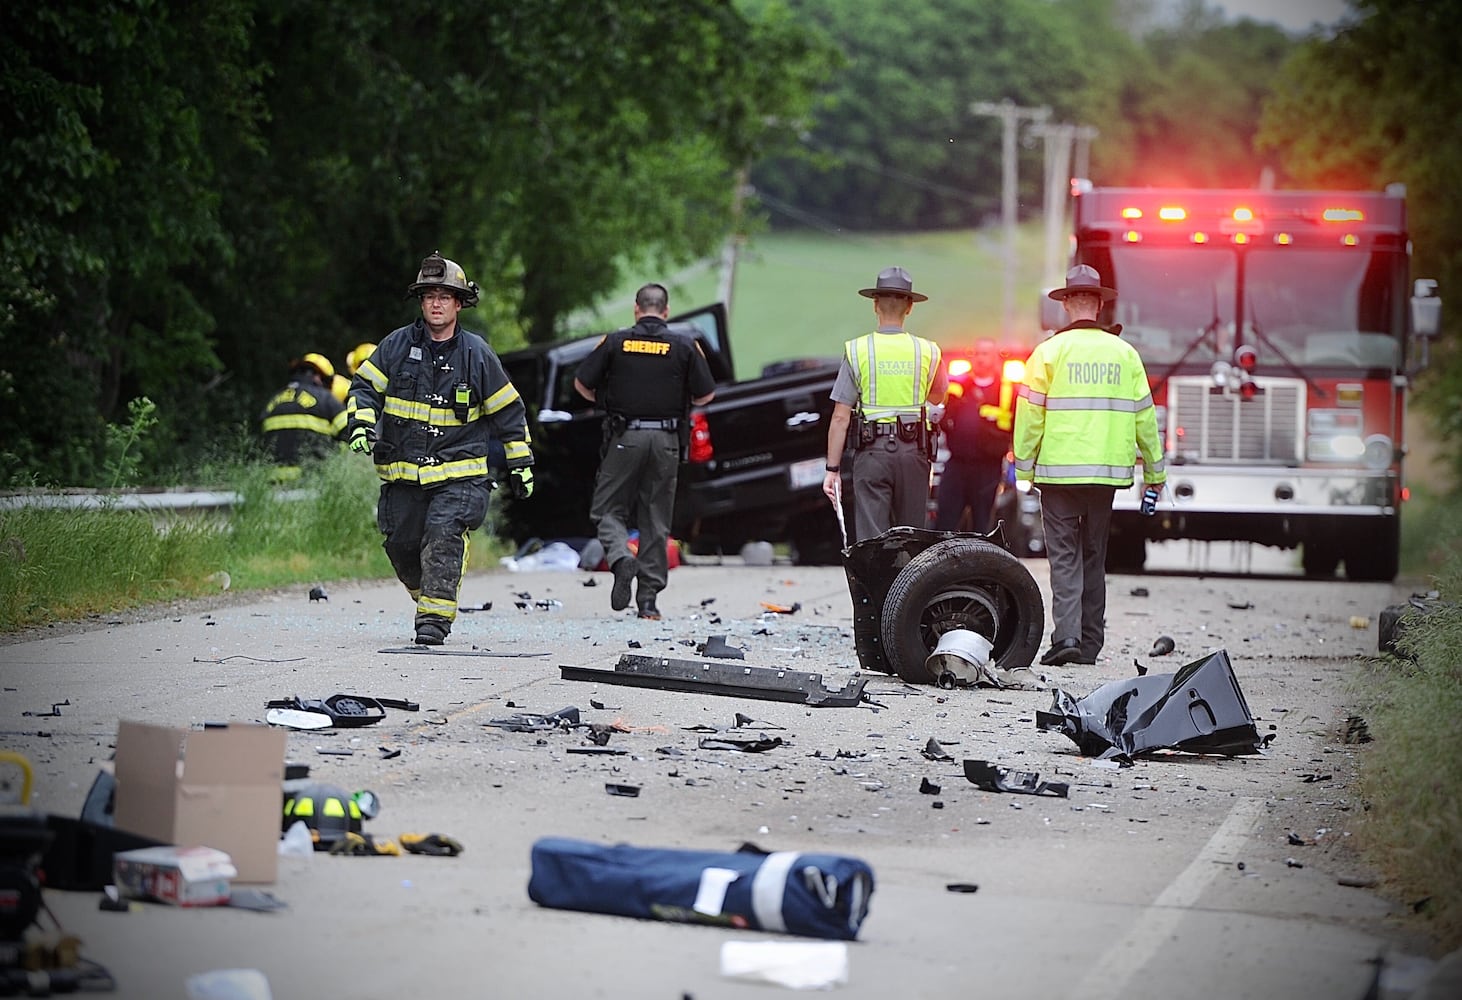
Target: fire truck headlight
x: 1347, y: 446
x: 1380, y: 451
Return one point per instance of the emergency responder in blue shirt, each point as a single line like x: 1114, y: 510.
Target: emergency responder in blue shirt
x: 977, y: 432
x: 425, y: 404
x: 646, y: 377
x: 887, y: 377
x: 303, y: 420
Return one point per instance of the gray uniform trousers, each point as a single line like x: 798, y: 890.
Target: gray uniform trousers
x: 637, y: 478
x: 890, y: 486
x: 1076, y: 519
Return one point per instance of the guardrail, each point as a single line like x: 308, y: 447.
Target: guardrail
x: 145, y: 500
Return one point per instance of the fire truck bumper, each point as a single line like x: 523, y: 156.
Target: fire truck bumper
x: 1284, y: 492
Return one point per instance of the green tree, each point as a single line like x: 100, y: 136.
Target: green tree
x: 898, y: 147
x: 109, y: 210
x: 198, y: 193
x: 1188, y: 101
x: 1379, y: 103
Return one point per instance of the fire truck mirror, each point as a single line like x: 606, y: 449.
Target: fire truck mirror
x: 1426, y: 308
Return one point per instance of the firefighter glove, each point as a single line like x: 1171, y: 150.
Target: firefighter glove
x: 522, y: 483
x: 1149, y: 500
x: 360, y: 439
x: 437, y: 844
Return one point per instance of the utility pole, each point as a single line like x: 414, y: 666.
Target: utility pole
x: 1058, y: 158
x: 1059, y: 141
x: 1084, y: 135
x: 1010, y: 115
x: 731, y: 249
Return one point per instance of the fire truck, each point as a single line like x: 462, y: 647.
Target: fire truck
x: 1280, y: 332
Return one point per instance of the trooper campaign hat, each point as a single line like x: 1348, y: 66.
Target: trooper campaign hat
x: 893, y: 281
x: 1083, y: 279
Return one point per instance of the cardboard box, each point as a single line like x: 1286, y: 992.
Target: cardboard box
x: 219, y: 788
x: 182, y: 876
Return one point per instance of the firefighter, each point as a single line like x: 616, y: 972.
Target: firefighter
x: 885, y: 381
x: 647, y: 378
x: 1084, y: 405
x: 302, y: 420
x: 977, y: 429
x: 424, y: 404
x: 341, y: 385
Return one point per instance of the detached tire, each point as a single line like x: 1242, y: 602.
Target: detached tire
x: 961, y: 583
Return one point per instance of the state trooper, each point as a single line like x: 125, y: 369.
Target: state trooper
x: 885, y: 384
x: 1084, y: 405
x: 425, y: 404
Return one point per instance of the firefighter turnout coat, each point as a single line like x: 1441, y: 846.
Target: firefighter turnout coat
x: 301, y: 421
x: 1084, y: 405
x: 432, y: 406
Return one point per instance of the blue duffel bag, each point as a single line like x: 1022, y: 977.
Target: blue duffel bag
x: 815, y: 895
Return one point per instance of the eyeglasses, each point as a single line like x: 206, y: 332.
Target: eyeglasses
x: 438, y: 297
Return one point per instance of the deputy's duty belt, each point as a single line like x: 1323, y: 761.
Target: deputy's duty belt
x: 668, y: 424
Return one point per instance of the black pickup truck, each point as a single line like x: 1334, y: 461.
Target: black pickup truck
x: 754, y: 467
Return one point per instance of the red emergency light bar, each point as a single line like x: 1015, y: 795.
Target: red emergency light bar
x: 1241, y: 210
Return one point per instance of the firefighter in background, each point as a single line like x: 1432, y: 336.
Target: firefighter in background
x: 425, y: 404
x: 647, y: 378
x: 886, y: 379
x: 341, y: 385
x: 303, y: 419
x: 977, y: 425
x: 1084, y: 406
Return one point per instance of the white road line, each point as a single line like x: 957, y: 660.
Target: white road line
x: 1109, y: 979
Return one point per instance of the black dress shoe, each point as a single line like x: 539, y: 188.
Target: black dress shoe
x: 1064, y: 651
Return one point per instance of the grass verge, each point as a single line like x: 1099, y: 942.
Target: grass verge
x: 62, y: 565
x: 1411, y: 776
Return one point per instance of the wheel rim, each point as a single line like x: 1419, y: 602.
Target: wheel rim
x: 972, y: 608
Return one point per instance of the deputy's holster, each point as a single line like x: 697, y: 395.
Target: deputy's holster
x: 614, y: 425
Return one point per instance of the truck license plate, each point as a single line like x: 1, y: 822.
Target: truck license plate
x: 806, y: 474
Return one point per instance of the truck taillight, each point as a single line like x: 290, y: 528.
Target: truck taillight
x: 1248, y: 388
x: 1246, y: 357
x: 700, y: 439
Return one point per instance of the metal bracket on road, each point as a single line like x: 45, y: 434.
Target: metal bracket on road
x: 729, y: 680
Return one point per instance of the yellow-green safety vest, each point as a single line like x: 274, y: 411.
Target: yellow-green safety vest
x: 894, y: 372
x: 1085, y: 411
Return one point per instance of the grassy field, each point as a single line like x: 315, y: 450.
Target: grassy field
x: 796, y: 294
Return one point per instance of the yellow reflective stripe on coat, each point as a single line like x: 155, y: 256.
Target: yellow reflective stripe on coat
x: 300, y: 422
x: 431, y: 475
x: 373, y: 375
x: 425, y: 413
x: 503, y: 397
x: 517, y: 451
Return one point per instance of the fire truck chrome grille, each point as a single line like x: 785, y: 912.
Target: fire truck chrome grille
x: 1222, y: 428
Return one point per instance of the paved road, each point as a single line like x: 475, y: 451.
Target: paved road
x: 1130, y: 888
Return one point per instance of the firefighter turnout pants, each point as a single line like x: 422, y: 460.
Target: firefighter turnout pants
x: 1076, y: 519
x: 637, y: 477
x: 427, y: 540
